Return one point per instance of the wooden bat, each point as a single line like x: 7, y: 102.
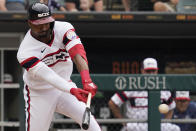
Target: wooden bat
x: 86, y: 115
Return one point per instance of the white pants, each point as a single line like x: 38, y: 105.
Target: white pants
x: 40, y: 106
x: 144, y: 127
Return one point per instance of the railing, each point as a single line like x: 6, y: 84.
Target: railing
x: 10, y: 86
x: 103, y: 121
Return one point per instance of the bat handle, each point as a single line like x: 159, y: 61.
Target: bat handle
x: 88, y: 103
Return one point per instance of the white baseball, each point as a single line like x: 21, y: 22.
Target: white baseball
x: 163, y: 108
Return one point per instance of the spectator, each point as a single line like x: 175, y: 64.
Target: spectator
x: 126, y: 4
x: 155, y: 5
x: 185, y: 109
x: 97, y: 5
x: 53, y: 5
x: 72, y: 5
x: 2, y: 5
x: 12, y: 5
x: 130, y: 5
x: 136, y: 103
x: 84, y: 5
x: 169, y: 6
x: 15, y: 5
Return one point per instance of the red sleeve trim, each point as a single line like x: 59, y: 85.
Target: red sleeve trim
x: 78, y: 49
x: 120, y: 97
x: 30, y: 62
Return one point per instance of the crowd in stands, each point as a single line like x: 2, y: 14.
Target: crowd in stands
x: 150, y: 5
x: 94, y: 5
x: 58, y: 5
x: 6, y: 5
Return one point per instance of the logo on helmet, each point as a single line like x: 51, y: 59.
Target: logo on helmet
x: 43, y: 14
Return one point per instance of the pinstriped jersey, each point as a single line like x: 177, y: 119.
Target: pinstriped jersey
x: 137, y: 102
x: 55, y: 54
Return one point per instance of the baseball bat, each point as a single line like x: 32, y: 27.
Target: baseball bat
x: 86, y: 115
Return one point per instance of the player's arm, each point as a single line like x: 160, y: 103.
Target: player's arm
x: 115, y: 109
x: 78, y: 54
x: 169, y: 100
x: 37, y: 68
x: 115, y: 103
x: 81, y: 62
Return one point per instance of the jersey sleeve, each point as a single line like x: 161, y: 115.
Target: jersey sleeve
x: 28, y: 55
x: 119, y: 98
x: 70, y: 38
x: 30, y: 62
x: 39, y: 69
x: 72, y: 42
x: 166, y: 98
x: 27, y: 58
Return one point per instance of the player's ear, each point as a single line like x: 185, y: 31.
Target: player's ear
x: 29, y: 23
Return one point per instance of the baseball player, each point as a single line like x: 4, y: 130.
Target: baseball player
x: 185, y: 109
x: 137, y: 103
x: 46, y: 53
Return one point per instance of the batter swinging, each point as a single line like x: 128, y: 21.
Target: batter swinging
x: 46, y: 53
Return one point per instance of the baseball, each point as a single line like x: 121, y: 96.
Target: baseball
x: 163, y: 108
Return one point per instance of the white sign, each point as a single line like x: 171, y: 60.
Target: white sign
x: 146, y: 82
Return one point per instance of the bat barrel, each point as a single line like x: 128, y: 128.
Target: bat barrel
x: 86, y: 119
x: 86, y: 115
x: 85, y: 126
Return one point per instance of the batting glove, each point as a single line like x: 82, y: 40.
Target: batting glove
x: 88, y: 85
x: 80, y: 94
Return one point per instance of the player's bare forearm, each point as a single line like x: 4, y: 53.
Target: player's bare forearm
x: 81, y: 64
x: 115, y: 109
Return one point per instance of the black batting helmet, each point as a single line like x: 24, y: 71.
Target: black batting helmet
x: 39, y: 13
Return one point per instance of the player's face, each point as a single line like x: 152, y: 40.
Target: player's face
x: 182, y: 105
x: 42, y: 30
x: 149, y: 71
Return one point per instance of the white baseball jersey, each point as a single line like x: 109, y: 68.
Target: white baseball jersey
x: 137, y: 102
x: 41, y: 98
x: 54, y: 55
x: 137, y: 108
